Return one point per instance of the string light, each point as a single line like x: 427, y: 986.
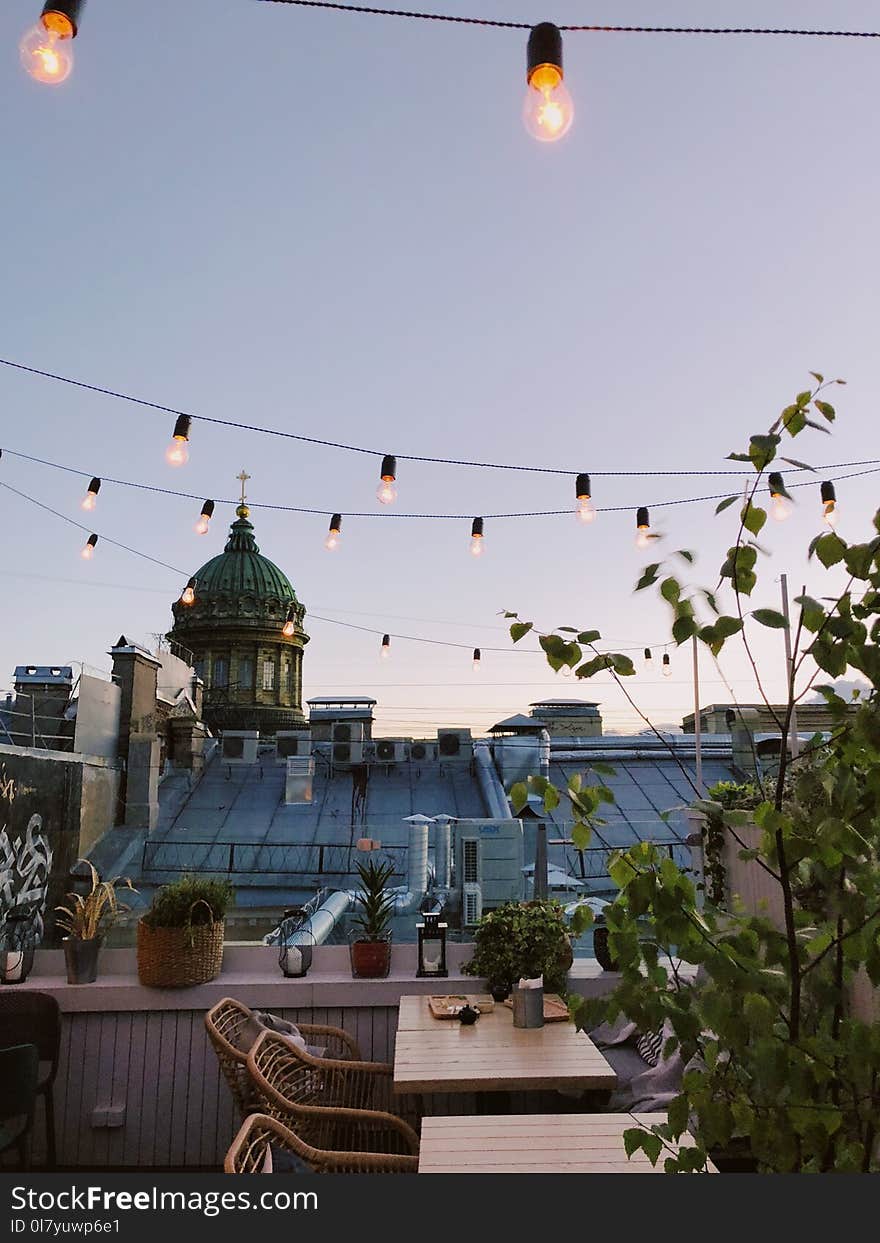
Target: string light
x: 643, y: 527
x: 386, y: 491
x: 386, y: 646
x: 289, y: 626
x: 88, y: 548
x: 177, y: 453
x: 586, y: 510
x: 334, y: 533
x: 46, y: 50
x: 477, y: 537
x: 90, y: 499
x: 647, y: 658
x: 667, y: 666
x: 205, y: 517
x: 477, y: 659
x: 548, y: 110
x: 829, y: 503
x: 780, y: 501
x: 188, y: 595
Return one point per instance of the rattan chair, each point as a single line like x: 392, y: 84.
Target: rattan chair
x: 31, y: 1017
x: 340, y: 1105
x: 248, y: 1152
x: 225, y: 1022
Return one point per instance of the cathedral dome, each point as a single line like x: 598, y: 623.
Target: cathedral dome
x: 241, y: 571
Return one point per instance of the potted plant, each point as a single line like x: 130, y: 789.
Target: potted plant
x: 87, y: 918
x: 180, y: 939
x: 525, y: 939
x: 370, y: 945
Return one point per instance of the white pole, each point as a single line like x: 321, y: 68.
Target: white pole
x: 793, y: 733
x: 698, y: 733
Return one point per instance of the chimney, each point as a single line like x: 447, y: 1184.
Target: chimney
x: 742, y: 723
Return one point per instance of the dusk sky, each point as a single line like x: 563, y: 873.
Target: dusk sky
x: 336, y: 225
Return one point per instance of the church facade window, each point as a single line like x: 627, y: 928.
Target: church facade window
x: 245, y: 673
x: 288, y: 676
x: 268, y: 675
x: 220, y: 676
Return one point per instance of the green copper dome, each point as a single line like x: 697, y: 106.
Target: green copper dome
x: 240, y: 570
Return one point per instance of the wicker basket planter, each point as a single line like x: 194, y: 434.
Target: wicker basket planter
x: 179, y: 957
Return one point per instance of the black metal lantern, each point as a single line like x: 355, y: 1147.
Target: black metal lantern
x: 295, y: 943
x: 432, y: 946
x: 18, y: 940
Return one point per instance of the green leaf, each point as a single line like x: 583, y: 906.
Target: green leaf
x: 792, y: 461
x: 686, y: 555
x: 622, y: 665
x: 551, y: 798
x: 826, y: 409
x: 670, y: 589
x: 762, y: 450
x: 817, y: 375
x: 738, y: 457
x: 753, y: 517
x: 683, y: 628
x: 812, y: 612
x: 829, y: 549
x: 519, y: 629
x: 793, y: 419
x: 650, y: 574
x: 771, y: 618
x: 725, y: 504
x: 519, y: 796
x: 589, y: 636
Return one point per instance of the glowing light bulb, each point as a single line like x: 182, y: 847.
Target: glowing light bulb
x: 90, y: 499
x: 643, y: 527
x: 289, y: 627
x: 780, y: 501
x: 46, y: 49
x: 548, y: 110
x: 204, y: 521
x: 477, y: 537
x: 88, y: 548
x: 386, y: 492
x: 188, y: 595
x: 829, y: 504
x: 648, y: 658
x: 586, y: 510
x: 386, y: 646
x: 477, y: 657
x: 334, y: 533
x: 667, y: 666
x: 177, y: 453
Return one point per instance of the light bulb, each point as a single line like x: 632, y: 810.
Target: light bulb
x: 667, y: 667
x: 548, y: 109
x: 780, y: 506
x: 476, y: 659
x: 647, y: 657
x: 334, y: 533
x: 177, y: 453
x: 566, y: 671
x: 205, y: 518
x: 386, y: 646
x: 829, y: 513
x: 643, y: 527
x: 586, y: 510
x: 46, y: 52
x: 90, y: 499
x: 188, y: 595
x: 287, y: 629
x: 88, y: 548
x: 386, y: 492
x: 476, y: 545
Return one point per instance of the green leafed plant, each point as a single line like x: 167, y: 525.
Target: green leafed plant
x: 523, y: 939
x: 189, y: 901
x: 374, y: 903
x: 91, y: 916
x: 779, y: 1036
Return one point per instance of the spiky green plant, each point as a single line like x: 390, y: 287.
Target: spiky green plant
x: 374, y: 901
x: 87, y: 917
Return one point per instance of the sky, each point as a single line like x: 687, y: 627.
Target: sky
x: 336, y: 225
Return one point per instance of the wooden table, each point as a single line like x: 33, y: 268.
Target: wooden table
x: 536, y: 1144
x: 442, y: 1055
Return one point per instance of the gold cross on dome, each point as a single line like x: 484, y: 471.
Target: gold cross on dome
x: 244, y: 477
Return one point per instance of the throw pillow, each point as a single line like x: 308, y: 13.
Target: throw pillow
x: 286, y: 1162
x: 650, y: 1046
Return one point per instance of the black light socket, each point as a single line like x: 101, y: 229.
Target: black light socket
x: 642, y: 520
x: 92, y: 540
x: 776, y: 484
x: 336, y: 523
x: 476, y: 654
x: 647, y: 653
x: 95, y: 486
x: 70, y: 9
x: 181, y: 427
x: 582, y: 487
x: 389, y: 467
x: 828, y: 493
x: 477, y: 528
x: 208, y: 509
x: 544, y: 48
x: 386, y: 640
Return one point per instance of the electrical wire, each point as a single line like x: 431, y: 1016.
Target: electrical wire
x: 349, y: 448
x: 501, y: 24
x: 872, y: 465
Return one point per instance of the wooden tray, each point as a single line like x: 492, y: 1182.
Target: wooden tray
x: 449, y: 1006
x: 555, y: 1009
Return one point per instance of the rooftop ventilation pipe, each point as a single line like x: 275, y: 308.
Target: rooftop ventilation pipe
x: 497, y: 807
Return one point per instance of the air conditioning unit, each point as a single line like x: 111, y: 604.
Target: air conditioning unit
x: 391, y: 750
x: 348, y: 731
x: 489, y: 853
x: 239, y: 746
x: 471, y: 905
x: 421, y: 751
x: 469, y: 861
x: 292, y: 743
x: 454, y: 746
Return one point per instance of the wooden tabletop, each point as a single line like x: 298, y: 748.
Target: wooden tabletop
x: 491, y: 1055
x: 536, y: 1144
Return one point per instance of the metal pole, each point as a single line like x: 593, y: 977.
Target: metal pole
x: 698, y: 733
x: 793, y: 732
x: 540, y: 886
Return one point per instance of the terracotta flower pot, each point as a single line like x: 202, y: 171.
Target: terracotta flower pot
x: 370, y: 960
